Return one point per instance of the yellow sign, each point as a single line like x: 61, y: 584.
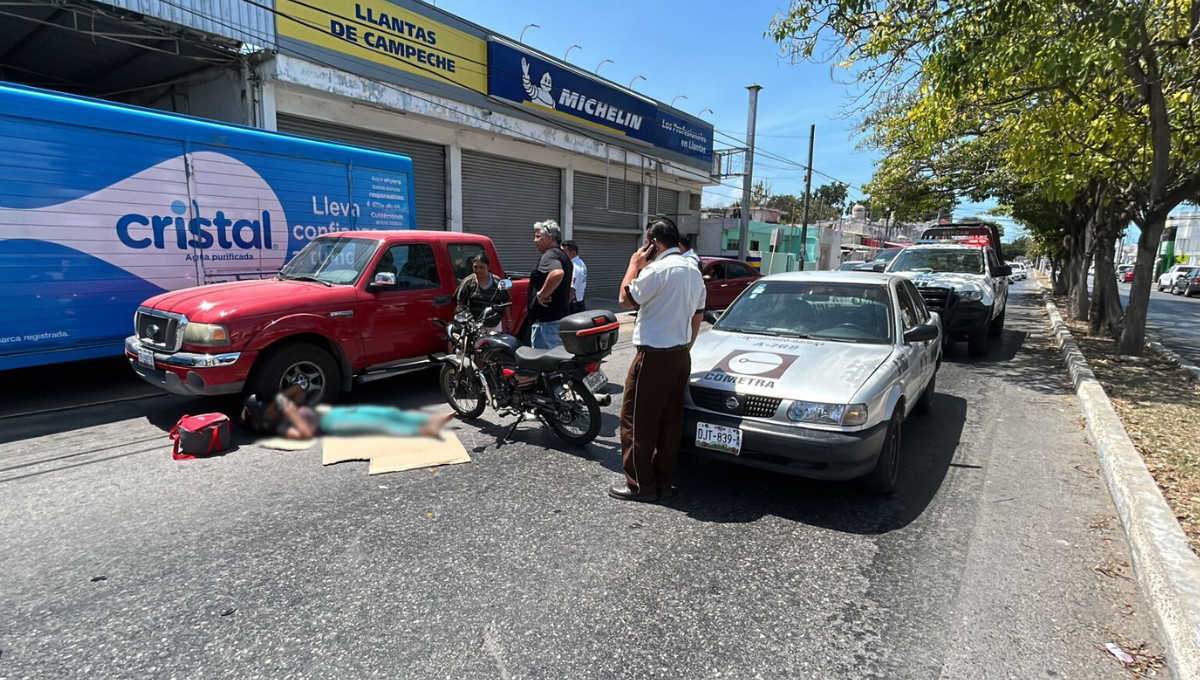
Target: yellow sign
x: 388, y: 35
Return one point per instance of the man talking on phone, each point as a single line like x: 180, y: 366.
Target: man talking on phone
x: 668, y: 293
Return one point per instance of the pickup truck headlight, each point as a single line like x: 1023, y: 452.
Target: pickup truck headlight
x: 970, y: 295
x: 205, y: 335
x: 827, y: 414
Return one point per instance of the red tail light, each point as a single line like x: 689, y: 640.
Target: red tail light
x: 508, y: 373
x: 592, y: 367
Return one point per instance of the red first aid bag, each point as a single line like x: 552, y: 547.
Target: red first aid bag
x: 202, y: 435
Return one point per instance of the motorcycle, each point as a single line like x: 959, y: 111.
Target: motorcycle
x: 559, y: 386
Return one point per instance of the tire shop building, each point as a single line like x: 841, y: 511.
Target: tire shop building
x: 501, y: 135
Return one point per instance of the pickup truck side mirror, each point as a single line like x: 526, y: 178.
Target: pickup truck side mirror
x: 506, y: 284
x: 712, y: 316
x: 1002, y: 270
x: 878, y: 268
x: 922, y: 333
x: 384, y: 280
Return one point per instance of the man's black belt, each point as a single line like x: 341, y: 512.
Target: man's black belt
x: 655, y: 350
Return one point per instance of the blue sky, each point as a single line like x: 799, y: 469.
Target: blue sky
x: 708, y: 51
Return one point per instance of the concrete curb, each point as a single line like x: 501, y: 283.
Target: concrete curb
x: 1167, y: 569
x: 1156, y: 346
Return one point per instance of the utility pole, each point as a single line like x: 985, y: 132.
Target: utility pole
x: 748, y: 179
x: 812, y: 136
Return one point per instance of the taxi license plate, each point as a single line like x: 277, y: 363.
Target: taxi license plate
x: 719, y: 438
x: 595, y: 381
x: 146, y: 357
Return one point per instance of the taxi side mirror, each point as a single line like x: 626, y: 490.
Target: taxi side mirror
x: 878, y: 268
x: 712, y: 316
x: 1002, y: 270
x: 922, y: 333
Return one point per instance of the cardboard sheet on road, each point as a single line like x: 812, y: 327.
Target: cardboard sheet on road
x: 395, y: 454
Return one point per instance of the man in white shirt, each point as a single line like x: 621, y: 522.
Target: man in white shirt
x: 578, y: 277
x: 668, y: 293
x: 685, y: 249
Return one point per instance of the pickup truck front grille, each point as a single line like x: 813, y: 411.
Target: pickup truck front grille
x: 936, y: 299
x: 749, y: 405
x: 157, y: 331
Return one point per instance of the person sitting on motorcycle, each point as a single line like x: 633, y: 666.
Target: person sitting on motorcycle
x: 481, y: 290
x: 284, y: 416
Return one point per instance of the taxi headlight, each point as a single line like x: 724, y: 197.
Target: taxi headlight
x: 205, y: 335
x: 827, y: 414
x: 970, y: 295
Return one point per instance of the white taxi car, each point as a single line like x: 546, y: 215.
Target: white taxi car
x: 812, y: 374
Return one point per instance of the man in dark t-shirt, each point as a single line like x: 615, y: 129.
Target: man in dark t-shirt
x: 549, y: 285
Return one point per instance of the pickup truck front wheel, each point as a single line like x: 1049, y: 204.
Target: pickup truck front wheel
x: 297, y: 364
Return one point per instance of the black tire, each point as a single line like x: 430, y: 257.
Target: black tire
x: 301, y: 363
x: 925, y: 403
x: 882, y: 480
x: 470, y: 400
x: 977, y: 342
x: 581, y: 403
x: 996, y: 327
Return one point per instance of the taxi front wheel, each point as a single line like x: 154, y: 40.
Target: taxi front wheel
x: 882, y: 480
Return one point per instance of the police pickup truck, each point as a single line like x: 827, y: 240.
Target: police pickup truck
x: 960, y: 271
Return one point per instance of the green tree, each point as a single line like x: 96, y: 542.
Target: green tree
x: 1090, y: 103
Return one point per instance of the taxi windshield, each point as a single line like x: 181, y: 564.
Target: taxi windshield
x: 843, y: 312
x: 940, y: 260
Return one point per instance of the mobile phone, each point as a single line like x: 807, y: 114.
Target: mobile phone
x: 652, y: 248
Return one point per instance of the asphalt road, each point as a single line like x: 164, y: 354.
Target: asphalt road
x: 1174, y: 318
x: 119, y: 562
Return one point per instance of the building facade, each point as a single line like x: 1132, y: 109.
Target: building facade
x: 501, y: 135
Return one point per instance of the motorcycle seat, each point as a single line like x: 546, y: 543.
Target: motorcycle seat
x: 542, y: 359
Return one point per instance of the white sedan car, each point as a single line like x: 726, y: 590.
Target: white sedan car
x: 812, y: 374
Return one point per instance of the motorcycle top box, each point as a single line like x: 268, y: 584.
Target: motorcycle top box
x: 591, y: 332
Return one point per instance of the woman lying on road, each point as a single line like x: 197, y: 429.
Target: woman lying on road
x: 284, y: 417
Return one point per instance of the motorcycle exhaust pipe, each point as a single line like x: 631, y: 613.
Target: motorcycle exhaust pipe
x: 604, y: 400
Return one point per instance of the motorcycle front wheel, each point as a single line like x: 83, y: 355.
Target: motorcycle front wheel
x: 576, y: 418
x: 463, y: 391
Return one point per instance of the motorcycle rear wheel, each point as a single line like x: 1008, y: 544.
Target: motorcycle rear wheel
x: 583, y: 424
x: 465, y: 396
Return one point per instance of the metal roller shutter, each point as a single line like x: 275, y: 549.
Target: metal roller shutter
x: 503, y: 198
x: 617, y: 205
x: 607, y: 257
x: 429, y: 161
x: 664, y: 202
x: 605, y: 253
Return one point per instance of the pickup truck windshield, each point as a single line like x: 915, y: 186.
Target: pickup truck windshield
x: 947, y: 260
x: 843, y: 312
x: 337, y: 261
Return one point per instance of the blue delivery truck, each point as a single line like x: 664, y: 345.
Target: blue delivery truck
x: 103, y: 206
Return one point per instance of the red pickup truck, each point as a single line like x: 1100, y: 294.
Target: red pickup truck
x: 350, y: 307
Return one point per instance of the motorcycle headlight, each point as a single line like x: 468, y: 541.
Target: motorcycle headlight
x: 205, y: 335
x: 970, y: 295
x: 827, y: 414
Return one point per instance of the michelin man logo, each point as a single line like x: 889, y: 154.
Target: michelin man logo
x: 539, y: 93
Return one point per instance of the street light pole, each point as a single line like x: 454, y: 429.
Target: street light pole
x: 572, y: 47
x: 527, y: 27
x: 606, y: 61
x: 748, y: 180
x: 682, y: 96
x: 635, y: 79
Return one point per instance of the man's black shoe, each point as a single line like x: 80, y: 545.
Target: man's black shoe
x: 622, y: 492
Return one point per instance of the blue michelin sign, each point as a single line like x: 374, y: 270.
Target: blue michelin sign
x: 524, y: 78
x: 683, y: 136
x: 104, y: 206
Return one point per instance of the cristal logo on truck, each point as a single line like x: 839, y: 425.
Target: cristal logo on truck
x: 195, y: 232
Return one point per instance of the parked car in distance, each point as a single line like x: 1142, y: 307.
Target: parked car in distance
x: 352, y: 306
x: 1188, y: 283
x: 1167, y: 279
x: 1124, y: 273
x: 883, y: 257
x: 725, y: 279
x: 812, y: 374
x: 1019, y: 273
